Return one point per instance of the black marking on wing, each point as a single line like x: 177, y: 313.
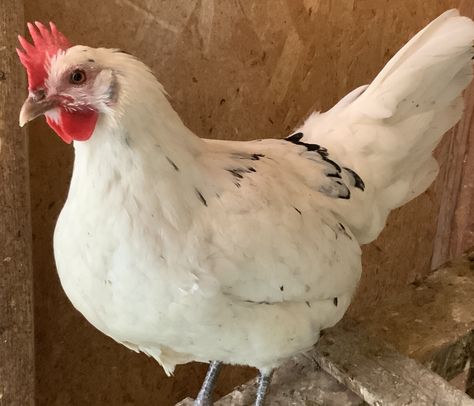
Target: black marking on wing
x: 336, y: 189
x: 323, y: 152
x: 264, y: 302
x: 238, y: 173
x: 341, y: 190
x: 201, y: 197
x: 343, y: 229
x: 295, y: 138
x: 357, y: 180
x: 173, y: 164
x: 330, y: 161
x: 243, y: 155
x: 335, y: 301
x: 345, y: 192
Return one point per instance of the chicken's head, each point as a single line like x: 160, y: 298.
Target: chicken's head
x: 70, y: 85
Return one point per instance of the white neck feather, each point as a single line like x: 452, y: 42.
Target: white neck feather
x: 141, y: 139
x: 142, y: 117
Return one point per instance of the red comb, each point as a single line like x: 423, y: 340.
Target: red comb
x: 35, y: 57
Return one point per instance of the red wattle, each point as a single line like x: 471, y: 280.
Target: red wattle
x: 57, y: 129
x: 75, y: 126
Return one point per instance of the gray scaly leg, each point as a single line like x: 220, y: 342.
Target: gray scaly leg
x: 204, y: 397
x: 263, y: 383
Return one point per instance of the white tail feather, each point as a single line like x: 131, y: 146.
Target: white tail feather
x: 388, y: 133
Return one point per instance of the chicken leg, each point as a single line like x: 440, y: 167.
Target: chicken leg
x: 263, y: 384
x: 204, y: 397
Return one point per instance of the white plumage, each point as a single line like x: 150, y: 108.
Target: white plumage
x: 191, y: 249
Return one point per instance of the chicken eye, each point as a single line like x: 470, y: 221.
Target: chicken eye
x: 77, y: 77
x: 39, y: 95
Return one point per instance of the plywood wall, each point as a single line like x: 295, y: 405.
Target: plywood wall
x: 16, y: 279
x: 235, y: 70
x: 455, y: 231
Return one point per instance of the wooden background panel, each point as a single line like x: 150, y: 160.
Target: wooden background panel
x: 16, y: 287
x: 234, y: 70
x: 455, y: 231
x: 455, y: 227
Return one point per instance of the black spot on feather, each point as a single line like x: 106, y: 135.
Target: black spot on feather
x: 358, y: 182
x: 243, y: 155
x: 254, y: 302
x: 297, y: 210
x: 295, y: 138
x: 235, y: 173
x: 173, y: 164
x: 343, y: 229
x: 312, y: 147
x: 308, y: 304
x: 345, y: 193
x: 335, y: 301
x: 330, y: 161
x: 91, y: 60
x: 323, y: 152
x: 201, y: 197
x: 282, y: 288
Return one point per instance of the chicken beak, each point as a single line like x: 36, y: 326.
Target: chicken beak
x: 33, y: 108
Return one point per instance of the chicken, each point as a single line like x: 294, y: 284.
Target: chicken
x: 190, y: 249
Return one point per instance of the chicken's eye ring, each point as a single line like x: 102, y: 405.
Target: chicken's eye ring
x: 77, y: 77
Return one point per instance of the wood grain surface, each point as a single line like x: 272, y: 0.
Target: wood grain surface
x: 455, y: 231
x: 16, y: 290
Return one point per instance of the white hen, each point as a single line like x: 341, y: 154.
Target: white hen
x: 240, y: 252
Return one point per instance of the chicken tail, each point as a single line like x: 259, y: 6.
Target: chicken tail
x: 388, y: 130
